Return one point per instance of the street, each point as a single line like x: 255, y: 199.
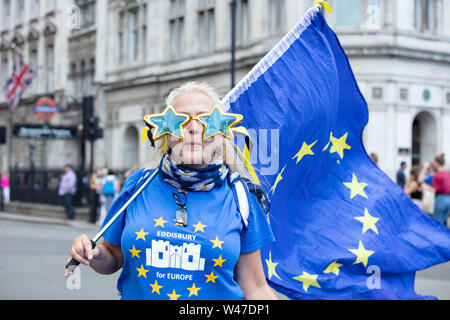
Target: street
x: 33, y: 254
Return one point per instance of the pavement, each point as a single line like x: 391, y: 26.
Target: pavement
x: 34, y: 249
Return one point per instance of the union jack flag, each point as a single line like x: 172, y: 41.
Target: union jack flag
x: 16, y: 85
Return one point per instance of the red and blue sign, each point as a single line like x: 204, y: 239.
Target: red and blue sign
x: 46, y: 109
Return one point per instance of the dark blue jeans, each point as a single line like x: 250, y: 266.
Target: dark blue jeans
x: 68, y: 204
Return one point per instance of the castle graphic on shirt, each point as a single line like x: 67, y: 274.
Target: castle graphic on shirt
x: 165, y: 255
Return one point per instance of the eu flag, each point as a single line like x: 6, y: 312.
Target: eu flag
x: 343, y: 229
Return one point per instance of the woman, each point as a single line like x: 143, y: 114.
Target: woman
x: 413, y: 188
x: 440, y: 182
x: 206, y: 254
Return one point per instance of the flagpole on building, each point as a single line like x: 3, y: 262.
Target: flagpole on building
x: 16, y: 51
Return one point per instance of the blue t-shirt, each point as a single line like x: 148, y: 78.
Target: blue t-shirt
x: 163, y: 260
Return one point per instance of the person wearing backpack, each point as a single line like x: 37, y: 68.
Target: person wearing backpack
x: 195, y: 230
x: 110, y: 190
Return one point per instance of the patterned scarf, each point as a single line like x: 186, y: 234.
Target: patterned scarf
x: 188, y: 179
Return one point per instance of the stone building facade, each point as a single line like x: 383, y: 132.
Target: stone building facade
x: 130, y: 54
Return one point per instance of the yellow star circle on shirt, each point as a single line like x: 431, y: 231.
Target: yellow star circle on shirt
x: 155, y: 287
x: 159, y: 222
x: 217, y: 243
x: 141, y: 234
x: 134, y: 252
x: 219, y: 261
x: 199, y: 227
x: 193, y: 290
x: 211, y: 277
x: 142, y: 271
x: 173, y: 295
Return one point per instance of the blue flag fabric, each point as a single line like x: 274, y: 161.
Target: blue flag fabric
x: 343, y: 229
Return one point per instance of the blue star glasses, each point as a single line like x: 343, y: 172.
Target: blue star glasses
x: 170, y: 123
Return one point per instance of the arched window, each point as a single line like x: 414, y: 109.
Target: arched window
x: 424, y: 138
x: 130, y: 156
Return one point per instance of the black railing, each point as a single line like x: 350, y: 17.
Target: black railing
x: 41, y: 186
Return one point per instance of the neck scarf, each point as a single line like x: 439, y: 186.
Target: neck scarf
x: 188, y: 179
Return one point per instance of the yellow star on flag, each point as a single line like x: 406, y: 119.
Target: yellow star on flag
x: 211, y: 277
x: 159, y: 222
x: 199, y: 227
x: 368, y: 222
x: 134, y: 252
x: 193, y: 290
x: 339, y: 145
x: 362, y: 255
x: 308, y: 280
x: 356, y: 187
x: 271, y: 267
x: 305, y: 150
x: 219, y: 261
x: 155, y: 287
x: 173, y: 295
x: 333, y: 268
x: 141, y: 234
x: 142, y: 271
x: 279, y: 178
x: 329, y: 141
x: 217, y: 243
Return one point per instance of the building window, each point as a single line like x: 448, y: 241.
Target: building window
x: 5, y: 68
x: 20, y: 7
x: 206, y: 25
x: 377, y: 93
x: 243, y: 22
x: 121, y: 37
x: 176, y: 27
x: 34, y: 67
x: 277, y: 16
x: 425, y: 15
x: 132, y: 35
x: 51, y: 5
x: 404, y: 94
x: 35, y: 8
x: 359, y: 13
x: 87, y: 12
x: 50, y: 67
x: 144, y: 31
x: 6, y: 13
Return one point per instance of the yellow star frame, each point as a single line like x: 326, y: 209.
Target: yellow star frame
x: 170, y: 123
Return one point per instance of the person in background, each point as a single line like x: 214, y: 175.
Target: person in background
x: 97, y: 184
x: 401, y: 178
x: 110, y: 190
x: 5, y: 186
x: 67, y: 189
x: 374, y: 157
x: 440, y: 182
x: 413, y: 187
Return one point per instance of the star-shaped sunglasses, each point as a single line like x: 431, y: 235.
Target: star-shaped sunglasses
x: 170, y: 123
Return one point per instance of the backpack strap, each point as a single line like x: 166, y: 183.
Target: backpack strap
x: 241, y: 193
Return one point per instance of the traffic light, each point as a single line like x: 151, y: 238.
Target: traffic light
x: 2, y: 135
x: 91, y: 128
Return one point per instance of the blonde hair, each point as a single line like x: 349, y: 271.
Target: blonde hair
x: 227, y: 151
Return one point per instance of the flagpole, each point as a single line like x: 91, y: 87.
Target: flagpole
x: 15, y: 51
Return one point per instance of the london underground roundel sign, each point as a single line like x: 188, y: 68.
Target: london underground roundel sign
x: 46, y: 109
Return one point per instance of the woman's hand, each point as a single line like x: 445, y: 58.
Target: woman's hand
x: 82, y: 251
x: 105, y: 258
